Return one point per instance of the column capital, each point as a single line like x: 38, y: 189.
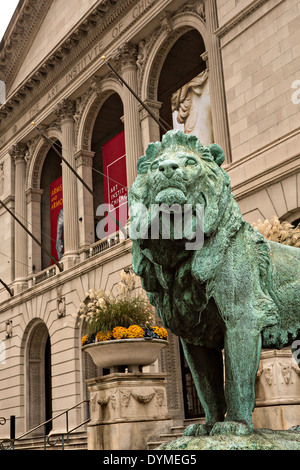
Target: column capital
x: 154, y: 105
x: 34, y: 195
x: 65, y: 109
x: 84, y: 157
x: 127, y: 55
x: 18, y: 152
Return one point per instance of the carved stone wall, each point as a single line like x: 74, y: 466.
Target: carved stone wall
x: 127, y: 411
x: 277, y: 390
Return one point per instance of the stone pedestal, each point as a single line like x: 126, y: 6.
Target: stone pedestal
x: 127, y: 411
x: 277, y: 391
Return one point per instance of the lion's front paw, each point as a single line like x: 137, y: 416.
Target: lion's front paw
x: 197, y: 430
x: 228, y: 428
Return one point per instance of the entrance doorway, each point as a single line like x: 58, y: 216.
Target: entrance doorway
x: 38, y: 378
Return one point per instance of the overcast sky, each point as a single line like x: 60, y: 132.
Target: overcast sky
x: 7, y: 8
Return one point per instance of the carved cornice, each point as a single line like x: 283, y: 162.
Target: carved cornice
x: 80, y: 38
x: 19, y: 36
x: 239, y: 17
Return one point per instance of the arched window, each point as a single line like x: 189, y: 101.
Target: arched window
x: 107, y: 126
x: 38, y: 376
x: 182, y: 84
x: 51, y: 173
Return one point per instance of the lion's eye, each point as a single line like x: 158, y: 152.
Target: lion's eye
x: 190, y: 161
x: 154, y: 166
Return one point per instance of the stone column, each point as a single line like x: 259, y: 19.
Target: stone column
x: 18, y: 152
x: 133, y: 139
x: 65, y: 111
x: 216, y: 82
x: 150, y: 129
x: 84, y: 167
x: 34, y: 197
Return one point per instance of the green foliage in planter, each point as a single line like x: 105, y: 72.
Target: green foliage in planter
x: 103, y: 311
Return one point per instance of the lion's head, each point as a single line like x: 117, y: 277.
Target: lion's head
x: 179, y: 170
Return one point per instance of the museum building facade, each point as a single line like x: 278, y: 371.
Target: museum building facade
x: 227, y: 71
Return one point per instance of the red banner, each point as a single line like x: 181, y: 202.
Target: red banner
x: 56, y: 218
x: 115, y: 181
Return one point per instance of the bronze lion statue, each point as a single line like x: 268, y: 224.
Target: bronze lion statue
x: 236, y: 291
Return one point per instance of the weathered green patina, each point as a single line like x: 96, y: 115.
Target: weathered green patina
x: 238, y: 291
x: 260, y: 439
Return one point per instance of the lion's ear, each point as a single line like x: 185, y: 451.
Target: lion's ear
x: 217, y: 154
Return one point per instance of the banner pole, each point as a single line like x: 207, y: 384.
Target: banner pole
x: 32, y: 236
x: 156, y: 119
x: 7, y: 288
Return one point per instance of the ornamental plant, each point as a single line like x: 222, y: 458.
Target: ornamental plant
x: 280, y: 232
x: 128, y: 314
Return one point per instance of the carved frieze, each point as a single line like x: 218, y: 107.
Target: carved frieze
x: 17, y: 44
x: 277, y: 380
x: 143, y: 398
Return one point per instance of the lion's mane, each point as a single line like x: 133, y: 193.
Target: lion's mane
x: 222, y: 221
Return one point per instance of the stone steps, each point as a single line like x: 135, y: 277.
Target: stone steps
x: 175, y: 433
x: 77, y: 441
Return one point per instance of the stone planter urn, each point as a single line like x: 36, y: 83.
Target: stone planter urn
x: 133, y: 353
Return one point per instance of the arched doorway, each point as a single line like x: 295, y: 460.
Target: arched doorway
x: 108, y: 125
x: 182, y: 65
x: 38, y: 377
x: 51, y: 177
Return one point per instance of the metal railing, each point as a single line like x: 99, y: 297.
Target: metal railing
x: 9, y: 444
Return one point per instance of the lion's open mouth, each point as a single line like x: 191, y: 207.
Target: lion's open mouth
x: 171, y: 196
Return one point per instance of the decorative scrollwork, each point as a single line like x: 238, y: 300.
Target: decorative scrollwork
x: 8, y: 446
x: 52, y: 444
